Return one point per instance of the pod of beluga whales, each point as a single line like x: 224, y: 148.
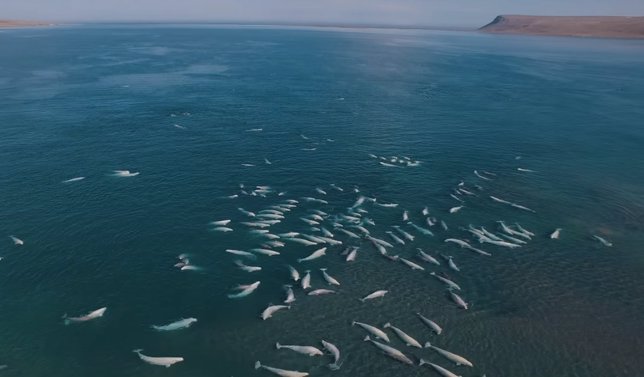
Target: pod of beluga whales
x: 350, y: 235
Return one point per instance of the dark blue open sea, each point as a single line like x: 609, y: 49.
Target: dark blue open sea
x: 181, y: 105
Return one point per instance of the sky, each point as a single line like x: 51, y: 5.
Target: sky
x: 466, y: 13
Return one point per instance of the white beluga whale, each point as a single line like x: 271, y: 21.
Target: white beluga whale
x: 390, y: 351
x: 281, y: 372
x: 352, y: 255
x: 124, y: 173
x: 242, y: 253
x: 320, y: 292
x: 75, y: 179
x: 411, y: 264
x: 452, y: 264
x: 455, y: 209
x: 295, y: 275
x: 306, y: 280
x: 223, y: 229
x: 427, y: 258
x: 94, y: 314
x: 271, y: 309
x: 431, y: 324
x: 316, y: 254
x: 329, y: 279
x: 376, y: 294
x: 373, y: 330
x: 267, y: 252
x: 444, y: 372
x: 335, y: 352
x: 395, y: 237
x: 246, y: 268
x: 458, y: 300
x: 220, y: 222
x: 17, y: 241
x: 305, y: 350
x: 183, y: 323
x: 161, y: 361
x: 448, y: 282
x: 403, y: 336
x: 603, y: 241
x: 245, y: 290
x: 406, y: 235
x: 422, y: 230
x: 457, y: 359
x: 481, y: 176
x: 466, y: 245
x: 290, y: 296
x: 247, y: 213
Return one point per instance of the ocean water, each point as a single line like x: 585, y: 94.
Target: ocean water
x: 87, y: 100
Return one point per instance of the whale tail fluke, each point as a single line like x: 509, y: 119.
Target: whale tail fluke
x: 258, y: 364
x: 322, y: 269
x: 386, y: 325
x: 353, y: 323
x: 138, y: 350
x: 422, y: 362
x: 334, y: 366
x: 428, y: 344
x: 278, y: 345
x: 366, y: 338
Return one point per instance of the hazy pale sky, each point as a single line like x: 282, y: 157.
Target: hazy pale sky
x: 386, y: 12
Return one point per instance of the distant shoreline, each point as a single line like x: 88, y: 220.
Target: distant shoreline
x: 9, y: 24
x: 568, y: 26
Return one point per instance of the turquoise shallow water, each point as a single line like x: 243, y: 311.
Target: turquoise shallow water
x: 86, y: 100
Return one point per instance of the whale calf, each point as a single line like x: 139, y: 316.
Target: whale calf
x: 161, y: 361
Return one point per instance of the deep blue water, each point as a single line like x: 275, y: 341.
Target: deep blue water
x: 87, y: 100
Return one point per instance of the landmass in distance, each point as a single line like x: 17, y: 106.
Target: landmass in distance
x: 575, y: 26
